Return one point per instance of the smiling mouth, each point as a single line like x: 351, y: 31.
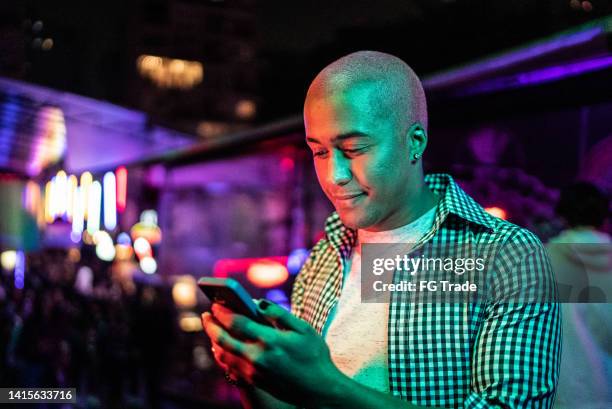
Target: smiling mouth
x: 348, y: 199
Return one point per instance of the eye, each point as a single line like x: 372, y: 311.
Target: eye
x: 319, y: 153
x: 354, y: 151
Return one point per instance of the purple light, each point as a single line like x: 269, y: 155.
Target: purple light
x: 296, y: 259
x: 278, y: 297
x: 539, y: 76
x: 9, y: 116
x: 497, y: 62
x: 564, y: 71
x: 19, y: 270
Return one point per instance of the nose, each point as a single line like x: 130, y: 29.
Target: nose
x: 339, y: 169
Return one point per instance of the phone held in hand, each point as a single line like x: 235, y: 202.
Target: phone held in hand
x: 229, y: 293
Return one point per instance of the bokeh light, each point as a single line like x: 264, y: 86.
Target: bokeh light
x: 267, y: 273
x: 148, y: 265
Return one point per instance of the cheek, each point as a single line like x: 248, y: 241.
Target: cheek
x: 373, y: 173
x: 320, y: 170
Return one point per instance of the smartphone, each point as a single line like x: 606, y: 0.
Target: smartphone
x: 229, y: 293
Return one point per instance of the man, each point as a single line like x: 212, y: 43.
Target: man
x: 365, y: 117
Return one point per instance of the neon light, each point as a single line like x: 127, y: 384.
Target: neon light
x: 86, y: 181
x: 562, y: 71
x: 72, y: 186
x: 227, y: 266
x: 110, y: 201
x: 121, y: 188
x: 20, y: 270
x: 9, y: 120
x: 78, y: 216
x: 508, y: 59
x: 48, y: 211
x: 93, y: 207
x: 539, y: 76
x: 60, y: 195
x: 53, y: 200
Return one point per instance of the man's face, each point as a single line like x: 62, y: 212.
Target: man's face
x: 360, y: 156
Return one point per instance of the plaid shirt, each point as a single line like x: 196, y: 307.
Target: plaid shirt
x: 456, y: 355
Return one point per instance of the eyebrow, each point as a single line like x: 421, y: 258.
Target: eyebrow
x: 341, y: 137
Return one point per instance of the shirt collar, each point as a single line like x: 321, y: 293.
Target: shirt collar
x: 454, y: 201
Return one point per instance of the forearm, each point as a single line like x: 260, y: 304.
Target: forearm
x: 349, y: 394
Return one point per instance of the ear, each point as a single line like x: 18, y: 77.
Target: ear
x: 417, y: 139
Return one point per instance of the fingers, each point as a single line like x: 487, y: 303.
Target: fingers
x: 218, y: 335
x: 282, y: 318
x: 234, y: 366
x: 217, y: 352
x: 241, y: 326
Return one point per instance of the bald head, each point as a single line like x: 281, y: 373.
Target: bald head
x: 388, y: 84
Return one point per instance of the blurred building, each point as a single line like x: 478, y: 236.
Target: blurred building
x: 195, y: 63
x: 12, y: 58
x: 191, y: 65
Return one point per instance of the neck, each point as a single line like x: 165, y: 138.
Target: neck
x: 416, y: 204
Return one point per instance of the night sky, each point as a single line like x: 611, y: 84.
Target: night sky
x: 297, y: 38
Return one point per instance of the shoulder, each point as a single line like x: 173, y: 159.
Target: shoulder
x: 510, y: 233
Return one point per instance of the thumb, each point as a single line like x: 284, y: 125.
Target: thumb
x: 280, y: 317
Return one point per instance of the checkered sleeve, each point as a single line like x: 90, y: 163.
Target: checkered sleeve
x: 515, y: 363
x: 302, y: 279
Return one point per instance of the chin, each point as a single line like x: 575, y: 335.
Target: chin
x: 354, y: 220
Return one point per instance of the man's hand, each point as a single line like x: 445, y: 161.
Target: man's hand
x: 291, y: 362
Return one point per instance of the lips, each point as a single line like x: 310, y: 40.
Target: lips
x: 347, y: 199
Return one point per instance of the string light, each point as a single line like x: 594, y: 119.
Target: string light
x: 72, y: 186
x: 121, y: 174
x: 110, y: 202
x: 78, y: 215
x: 93, y: 207
x: 86, y: 181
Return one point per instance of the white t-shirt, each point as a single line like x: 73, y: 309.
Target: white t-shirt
x: 356, y: 332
